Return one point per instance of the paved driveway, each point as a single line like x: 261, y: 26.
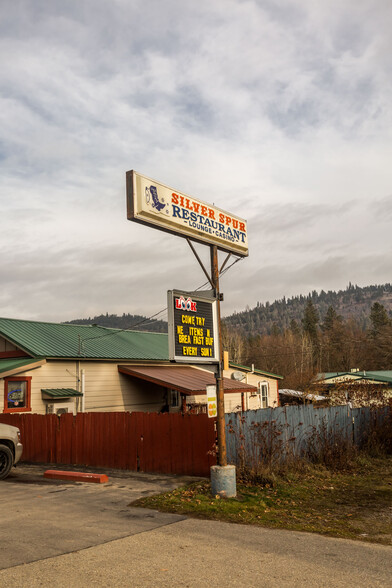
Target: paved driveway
x: 50, y: 524
x: 195, y: 554
x: 43, y: 518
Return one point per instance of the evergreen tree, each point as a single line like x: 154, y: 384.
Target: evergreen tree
x: 379, y: 318
x: 380, y: 338
x: 294, y: 328
x: 310, y: 321
x: 330, y: 319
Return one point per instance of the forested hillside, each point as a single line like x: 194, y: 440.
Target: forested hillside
x: 300, y: 336
x: 353, y: 303
x: 271, y: 318
x: 125, y: 321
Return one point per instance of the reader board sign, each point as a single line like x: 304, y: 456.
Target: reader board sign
x: 151, y: 203
x: 193, y: 330
x: 212, y: 405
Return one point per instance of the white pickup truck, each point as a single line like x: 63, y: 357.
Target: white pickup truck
x: 10, y: 449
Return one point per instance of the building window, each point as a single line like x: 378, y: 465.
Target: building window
x: 174, y: 399
x: 263, y: 391
x: 17, y: 394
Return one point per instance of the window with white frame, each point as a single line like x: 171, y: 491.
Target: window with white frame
x: 263, y: 391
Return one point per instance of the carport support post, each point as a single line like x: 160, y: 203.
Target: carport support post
x: 223, y: 479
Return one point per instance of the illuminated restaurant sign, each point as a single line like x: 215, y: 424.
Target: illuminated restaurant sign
x: 193, y: 336
x: 152, y: 203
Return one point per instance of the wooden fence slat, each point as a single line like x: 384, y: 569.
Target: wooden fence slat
x: 173, y: 443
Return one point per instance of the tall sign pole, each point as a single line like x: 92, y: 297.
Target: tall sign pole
x: 154, y: 204
x: 221, y: 429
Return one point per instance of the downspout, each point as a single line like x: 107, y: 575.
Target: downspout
x: 78, y: 385
x: 82, y: 389
x: 247, y: 394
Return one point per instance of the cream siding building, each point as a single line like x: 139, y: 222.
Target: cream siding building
x: 266, y: 384
x: 56, y: 368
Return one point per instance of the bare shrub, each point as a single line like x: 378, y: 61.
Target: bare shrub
x: 264, y: 452
x: 377, y: 439
x: 269, y: 449
x: 329, y: 446
x: 259, y: 452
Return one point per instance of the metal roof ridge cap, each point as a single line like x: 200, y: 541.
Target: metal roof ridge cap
x: 256, y: 370
x: 148, y: 362
x: 95, y: 358
x: 76, y: 325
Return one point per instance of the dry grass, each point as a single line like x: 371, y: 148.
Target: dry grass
x: 353, y: 504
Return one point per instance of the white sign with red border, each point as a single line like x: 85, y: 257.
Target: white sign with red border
x: 152, y: 203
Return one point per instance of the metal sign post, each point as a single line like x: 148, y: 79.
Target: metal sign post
x: 220, y: 393
x: 154, y: 204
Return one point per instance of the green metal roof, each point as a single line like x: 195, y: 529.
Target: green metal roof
x: 256, y: 371
x: 54, y: 340
x: 378, y: 376
x: 328, y: 375
x: 385, y: 375
x: 6, y: 365
x: 60, y: 392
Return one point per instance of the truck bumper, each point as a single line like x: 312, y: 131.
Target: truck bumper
x: 18, y: 452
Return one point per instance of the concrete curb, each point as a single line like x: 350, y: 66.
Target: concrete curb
x: 76, y: 476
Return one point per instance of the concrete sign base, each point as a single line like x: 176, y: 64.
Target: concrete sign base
x: 223, y: 481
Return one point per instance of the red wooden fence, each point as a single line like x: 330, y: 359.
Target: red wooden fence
x: 138, y: 441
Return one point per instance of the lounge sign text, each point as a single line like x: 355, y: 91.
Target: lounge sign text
x: 152, y: 203
x: 192, y: 328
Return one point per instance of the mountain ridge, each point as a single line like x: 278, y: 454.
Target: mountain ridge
x: 354, y: 303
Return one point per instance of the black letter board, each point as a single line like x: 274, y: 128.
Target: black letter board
x: 193, y: 333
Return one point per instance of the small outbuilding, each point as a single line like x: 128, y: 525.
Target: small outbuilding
x: 360, y: 387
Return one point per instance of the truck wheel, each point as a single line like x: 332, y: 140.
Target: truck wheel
x: 6, y: 461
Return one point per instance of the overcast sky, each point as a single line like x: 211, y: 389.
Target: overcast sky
x: 279, y: 111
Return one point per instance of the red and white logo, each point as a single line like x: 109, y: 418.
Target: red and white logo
x: 188, y: 304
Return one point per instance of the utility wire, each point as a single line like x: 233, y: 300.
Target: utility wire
x: 147, y: 319
x: 221, y: 273
x: 117, y: 331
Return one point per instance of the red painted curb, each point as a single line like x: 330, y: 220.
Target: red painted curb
x: 76, y: 476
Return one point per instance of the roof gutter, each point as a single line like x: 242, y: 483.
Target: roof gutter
x: 22, y: 368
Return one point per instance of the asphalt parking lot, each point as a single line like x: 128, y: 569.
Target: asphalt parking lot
x: 43, y: 518
x: 71, y: 535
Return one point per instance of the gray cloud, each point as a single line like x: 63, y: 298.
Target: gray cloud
x: 296, y: 216
x: 381, y: 210
x: 271, y: 282
x: 277, y: 112
x: 90, y: 280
